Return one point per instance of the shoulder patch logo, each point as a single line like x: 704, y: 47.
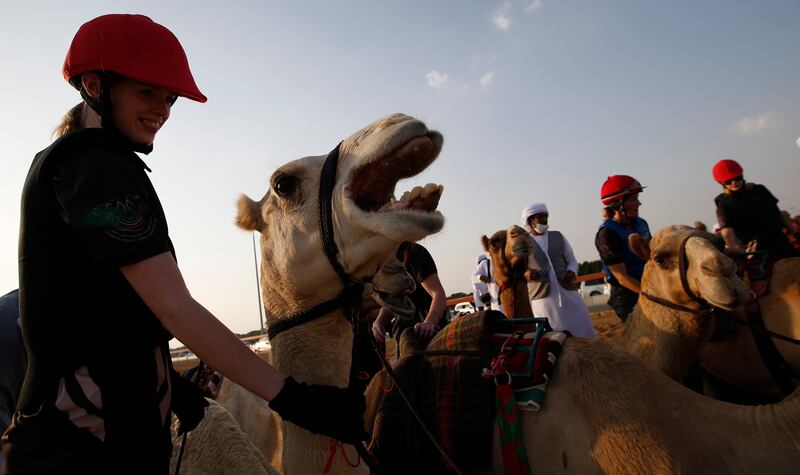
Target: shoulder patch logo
x: 126, y: 218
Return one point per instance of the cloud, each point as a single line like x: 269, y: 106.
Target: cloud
x: 486, y: 79
x: 501, y: 18
x: 437, y: 80
x: 757, y: 124
x: 533, y: 6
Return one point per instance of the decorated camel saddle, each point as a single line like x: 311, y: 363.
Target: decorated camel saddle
x: 480, y: 368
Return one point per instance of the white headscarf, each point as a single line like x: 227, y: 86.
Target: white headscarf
x: 482, y: 257
x: 529, y: 211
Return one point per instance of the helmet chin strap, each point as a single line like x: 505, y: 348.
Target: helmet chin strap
x: 102, y: 107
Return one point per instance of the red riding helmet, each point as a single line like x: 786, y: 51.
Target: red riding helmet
x: 617, y: 187
x: 724, y: 170
x: 133, y: 46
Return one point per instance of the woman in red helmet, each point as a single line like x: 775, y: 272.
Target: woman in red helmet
x: 623, y: 269
x: 98, y: 272
x: 748, y: 214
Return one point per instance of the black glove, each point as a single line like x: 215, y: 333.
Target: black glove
x: 188, y: 402
x: 326, y: 410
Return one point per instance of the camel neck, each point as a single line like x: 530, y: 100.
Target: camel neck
x: 317, y: 352
x: 515, y: 300
x: 664, y: 339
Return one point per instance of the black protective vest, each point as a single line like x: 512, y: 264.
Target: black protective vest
x: 75, y: 310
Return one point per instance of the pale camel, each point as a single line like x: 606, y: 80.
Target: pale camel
x: 670, y: 339
x: 605, y: 412
x: 369, y: 225
x: 217, y: 446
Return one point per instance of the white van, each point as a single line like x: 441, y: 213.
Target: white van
x: 464, y: 308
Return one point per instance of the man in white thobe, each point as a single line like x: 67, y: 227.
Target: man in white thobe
x: 553, y: 292
x: 483, y: 283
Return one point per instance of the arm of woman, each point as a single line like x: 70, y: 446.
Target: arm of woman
x: 159, y: 283
x: 621, y: 274
x: 434, y: 287
x: 327, y: 410
x: 732, y: 242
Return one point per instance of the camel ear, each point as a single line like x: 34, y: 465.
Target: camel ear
x: 640, y: 246
x: 248, y: 216
x: 485, y: 241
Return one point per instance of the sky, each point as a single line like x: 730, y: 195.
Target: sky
x: 538, y: 101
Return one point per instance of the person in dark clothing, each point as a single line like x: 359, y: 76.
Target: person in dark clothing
x: 622, y: 268
x: 748, y: 214
x: 13, y: 358
x: 429, y: 298
x: 98, y: 272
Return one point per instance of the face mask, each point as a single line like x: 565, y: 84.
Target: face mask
x: 541, y: 228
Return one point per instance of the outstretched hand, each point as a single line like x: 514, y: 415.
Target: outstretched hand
x: 326, y: 410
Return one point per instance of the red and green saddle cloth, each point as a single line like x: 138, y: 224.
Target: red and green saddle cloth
x: 521, y: 369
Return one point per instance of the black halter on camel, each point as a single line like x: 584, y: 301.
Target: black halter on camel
x: 705, y: 309
x: 780, y: 370
x: 350, y: 296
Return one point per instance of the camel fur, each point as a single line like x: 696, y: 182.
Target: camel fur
x: 671, y: 340
x: 217, y: 446
x: 369, y: 225
x: 606, y: 412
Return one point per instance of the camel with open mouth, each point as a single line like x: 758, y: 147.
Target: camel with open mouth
x: 606, y: 412
x: 366, y: 224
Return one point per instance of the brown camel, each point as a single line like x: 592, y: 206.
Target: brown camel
x: 296, y: 275
x: 670, y: 339
x: 605, y: 412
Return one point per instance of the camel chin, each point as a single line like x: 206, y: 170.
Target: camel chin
x: 727, y: 294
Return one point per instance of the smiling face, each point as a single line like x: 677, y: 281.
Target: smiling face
x: 139, y: 109
x: 734, y: 185
x: 630, y: 205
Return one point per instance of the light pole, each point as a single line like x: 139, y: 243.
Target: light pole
x: 258, y: 287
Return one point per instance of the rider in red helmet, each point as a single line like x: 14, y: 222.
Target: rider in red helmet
x: 623, y: 269
x: 748, y: 214
x: 101, y: 294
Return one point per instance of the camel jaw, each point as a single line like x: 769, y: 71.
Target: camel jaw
x: 368, y: 192
x: 727, y: 294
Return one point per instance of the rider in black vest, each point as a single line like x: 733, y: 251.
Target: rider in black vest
x: 748, y: 213
x: 100, y: 290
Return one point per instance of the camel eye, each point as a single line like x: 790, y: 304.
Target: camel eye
x: 660, y: 260
x: 285, y: 185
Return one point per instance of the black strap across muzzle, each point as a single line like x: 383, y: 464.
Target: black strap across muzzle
x: 350, y: 296
x: 683, y: 270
